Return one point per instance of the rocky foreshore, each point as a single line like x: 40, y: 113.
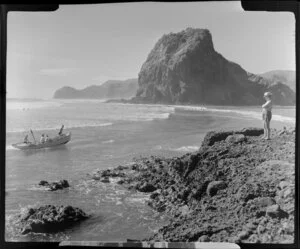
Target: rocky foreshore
x: 53, y: 186
x: 236, y: 188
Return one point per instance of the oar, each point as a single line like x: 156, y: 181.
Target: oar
x: 33, y: 136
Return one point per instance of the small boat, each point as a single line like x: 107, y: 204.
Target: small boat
x: 58, y: 140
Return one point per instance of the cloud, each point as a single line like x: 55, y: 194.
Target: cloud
x: 107, y: 77
x: 57, y: 71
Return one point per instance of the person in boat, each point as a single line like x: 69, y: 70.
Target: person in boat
x: 46, y: 138
x: 42, y: 140
x: 26, y: 141
x: 61, y: 130
x: 267, y: 114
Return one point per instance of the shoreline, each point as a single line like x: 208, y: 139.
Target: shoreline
x: 234, y: 174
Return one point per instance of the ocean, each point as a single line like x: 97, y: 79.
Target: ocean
x: 105, y: 135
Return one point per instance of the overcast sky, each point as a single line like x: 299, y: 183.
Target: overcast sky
x: 81, y: 45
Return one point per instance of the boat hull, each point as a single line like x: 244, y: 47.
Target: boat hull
x: 56, y: 141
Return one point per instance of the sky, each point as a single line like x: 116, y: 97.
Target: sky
x: 82, y: 45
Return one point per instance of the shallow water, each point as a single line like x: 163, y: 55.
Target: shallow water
x: 103, y: 136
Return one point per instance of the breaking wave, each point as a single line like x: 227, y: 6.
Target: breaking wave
x: 80, y: 125
x: 28, y: 105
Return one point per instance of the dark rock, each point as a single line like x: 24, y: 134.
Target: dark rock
x: 243, y: 235
x: 122, y: 181
x: 146, y: 187
x: 275, y: 211
x: 53, y: 186
x: 154, y: 195
x: 105, y: 180
x: 26, y: 229
x: 214, y: 187
x: 64, y: 183
x: 50, y: 219
x: 43, y: 183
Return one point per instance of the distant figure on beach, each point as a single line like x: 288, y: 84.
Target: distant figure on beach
x: 267, y: 114
x: 61, y: 130
x: 46, y: 138
x: 42, y: 140
x: 26, y: 139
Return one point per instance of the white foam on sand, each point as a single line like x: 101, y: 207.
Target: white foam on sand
x: 28, y: 105
x: 187, y: 148
x: 251, y: 114
x: 190, y: 148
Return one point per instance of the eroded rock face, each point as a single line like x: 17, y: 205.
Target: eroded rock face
x: 50, y: 219
x: 184, y: 67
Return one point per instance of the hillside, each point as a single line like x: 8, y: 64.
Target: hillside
x: 287, y: 77
x: 111, y: 89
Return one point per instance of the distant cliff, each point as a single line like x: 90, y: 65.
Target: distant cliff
x: 287, y: 77
x: 184, y: 68
x: 111, y: 89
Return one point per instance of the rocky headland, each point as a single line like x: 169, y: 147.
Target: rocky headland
x: 184, y: 68
x: 236, y: 188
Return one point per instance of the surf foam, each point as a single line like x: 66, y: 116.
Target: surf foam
x: 67, y: 127
x: 251, y: 114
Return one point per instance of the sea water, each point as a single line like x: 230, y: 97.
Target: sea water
x: 105, y: 135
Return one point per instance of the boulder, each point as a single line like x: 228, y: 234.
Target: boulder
x: 50, y: 219
x: 283, y: 184
x: 214, y: 136
x: 53, y: 186
x: 43, y: 183
x: 275, y: 211
x: 262, y: 202
x: 204, y: 238
x: 236, y: 138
